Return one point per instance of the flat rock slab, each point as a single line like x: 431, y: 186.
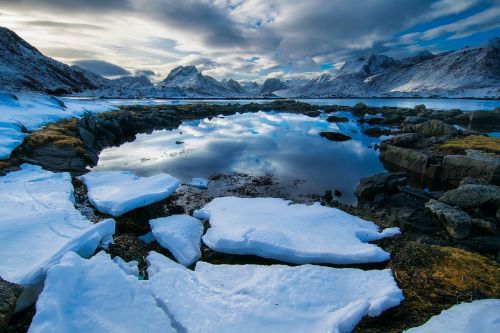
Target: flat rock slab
x: 39, y: 224
x: 118, y: 192
x: 481, y: 316
x: 277, y: 229
x: 456, y: 221
x: 95, y: 295
x: 181, y: 235
x: 277, y: 298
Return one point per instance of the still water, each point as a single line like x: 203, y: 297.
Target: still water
x: 285, y: 146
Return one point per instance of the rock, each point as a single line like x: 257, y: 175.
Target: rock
x: 409, y: 159
x: 410, y: 219
x: 472, y: 196
x: 420, y: 107
x: 337, y: 119
x: 456, y: 222
x: 334, y: 136
x: 128, y: 247
x: 485, y: 226
x: 380, y: 183
x: 376, y: 132
x: 475, y: 164
x: 413, y: 120
x: 402, y: 140
x: 338, y: 193
x: 435, y: 128
x: 312, y: 114
x: 487, y: 244
x: 56, y: 158
x: 9, y: 292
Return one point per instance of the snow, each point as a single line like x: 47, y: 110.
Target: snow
x: 181, y: 235
x: 129, y: 268
x: 147, y: 238
x: 39, y: 224
x: 296, y: 233
x: 277, y: 298
x: 95, y: 295
x: 201, y: 183
x: 481, y: 316
x: 118, y: 192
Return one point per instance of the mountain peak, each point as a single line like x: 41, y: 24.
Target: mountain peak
x: 494, y: 43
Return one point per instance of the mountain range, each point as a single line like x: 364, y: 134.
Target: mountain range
x: 469, y: 72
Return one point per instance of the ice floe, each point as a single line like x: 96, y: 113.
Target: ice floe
x: 118, y: 192
x: 277, y: 298
x: 201, y: 183
x: 481, y: 316
x: 295, y: 233
x: 181, y: 235
x: 39, y: 224
x: 95, y: 295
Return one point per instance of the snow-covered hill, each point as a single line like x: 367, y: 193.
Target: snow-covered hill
x: 470, y: 72
x: 23, y: 67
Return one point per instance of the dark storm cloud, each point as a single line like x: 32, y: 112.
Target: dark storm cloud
x: 102, y: 67
x: 202, y: 18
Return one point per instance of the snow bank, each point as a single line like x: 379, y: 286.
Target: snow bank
x: 477, y: 317
x: 39, y: 223
x: 277, y: 298
x: 34, y: 110
x: 296, y: 233
x: 95, y: 295
x: 181, y: 235
x: 118, y: 192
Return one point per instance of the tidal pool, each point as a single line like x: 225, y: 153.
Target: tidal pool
x: 284, y: 146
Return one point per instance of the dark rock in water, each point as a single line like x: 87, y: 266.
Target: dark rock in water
x: 338, y: 193
x: 337, y: 119
x: 334, y: 136
x: 9, y: 292
x: 456, y: 222
x: 371, y: 121
x: 472, y: 196
x: 487, y: 244
x: 376, y: 132
x: 402, y: 140
x: 435, y: 128
x: 179, y: 142
x: 328, y: 197
x: 413, y: 160
x: 312, y: 114
x: 413, y: 120
x: 384, y: 182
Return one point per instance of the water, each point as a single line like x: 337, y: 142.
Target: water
x: 431, y: 103
x: 286, y: 146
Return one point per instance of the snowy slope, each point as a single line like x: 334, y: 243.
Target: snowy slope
x: 470, y: 72
x: 276, y: 298
x: 23, y: 67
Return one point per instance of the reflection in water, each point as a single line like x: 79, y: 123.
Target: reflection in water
x: 286, y: 146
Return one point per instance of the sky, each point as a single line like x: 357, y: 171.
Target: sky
x: 244, y: 39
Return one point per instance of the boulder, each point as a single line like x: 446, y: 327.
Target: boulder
x: 475, y: 164
x: 455, y: 221
x: 9, y: 292
x: 435, y: 128
x: 413, y: 120
x: 470, y: 196
x: 335, y: 136
x: 487, y: 244
x: 377, y: 132
x: 409, y: 159
x: 380, y: 183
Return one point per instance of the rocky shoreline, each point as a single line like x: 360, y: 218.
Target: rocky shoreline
x: 444, y: 196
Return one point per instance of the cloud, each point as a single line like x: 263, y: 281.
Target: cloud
x: 101, y: 67
x: 67, y: 5
x: 63, y: 25
x: 144, y: 72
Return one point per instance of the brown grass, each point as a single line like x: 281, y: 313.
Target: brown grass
x: 434, y: 278
x: 480, y: 142
x: 59, y: 134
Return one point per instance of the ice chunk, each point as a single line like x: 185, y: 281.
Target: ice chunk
x: 201, y: 183
x: 481, y: 316
x: 277, y: 298
x: 296, y: 233
x: 95, y: 295
x: 130, y: 267
x: 39, y: 223
x: 181, y: 235
x: 118, y: 192
x: 147, y: 238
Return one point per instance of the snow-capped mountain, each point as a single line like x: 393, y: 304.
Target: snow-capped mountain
x: 470, y: 72
x: 23, y: 67
x: 271, y: 85
x: 233, y: 85
x: 191, y: 82
x: 132, y: 82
